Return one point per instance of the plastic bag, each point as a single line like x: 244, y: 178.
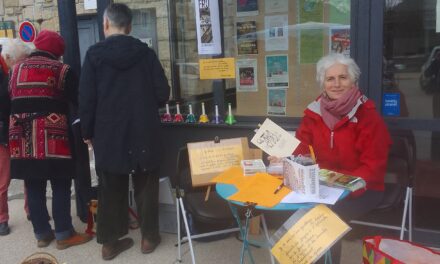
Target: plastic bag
x: 387, y: 250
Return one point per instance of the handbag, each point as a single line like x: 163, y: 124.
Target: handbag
x: 378, y: 250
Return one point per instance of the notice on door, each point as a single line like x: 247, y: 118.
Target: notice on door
x: 223, y: 68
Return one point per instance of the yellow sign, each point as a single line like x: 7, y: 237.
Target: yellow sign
x: 310, y: 237
x: 209, y: 158
x: 223, y: 68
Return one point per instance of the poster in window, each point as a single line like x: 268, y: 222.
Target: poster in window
x: 276, y: 6
x: 277, y: 71
x: 208, y: 27
x: 311, y: 45
x: 340, y: 40
x: 247, y: 38
x: 276, y: 32
x: 311, y: 11
x: 247, y: 7
x: 276, y: 102
x: 246, y: 75
x: 339, y: 11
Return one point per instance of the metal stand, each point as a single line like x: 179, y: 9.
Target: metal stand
x: 244, y: 231
x: 180, y: 209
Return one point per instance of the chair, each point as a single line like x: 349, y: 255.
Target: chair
x: 398, y: 185
x: 189, y: 199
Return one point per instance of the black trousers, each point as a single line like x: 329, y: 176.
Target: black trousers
x: 112, y: 218
x: 353, y: 208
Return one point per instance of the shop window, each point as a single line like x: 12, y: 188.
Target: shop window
x: 275, y: 45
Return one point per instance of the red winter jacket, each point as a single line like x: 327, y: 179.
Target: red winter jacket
x: 358, y: 145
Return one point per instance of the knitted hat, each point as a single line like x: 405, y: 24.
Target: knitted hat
x: 51, y: 42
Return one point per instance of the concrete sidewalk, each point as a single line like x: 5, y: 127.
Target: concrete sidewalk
x: 21, y: 243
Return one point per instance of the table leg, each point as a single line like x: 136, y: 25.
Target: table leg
x: 244, y: 231
x: 328, y: 257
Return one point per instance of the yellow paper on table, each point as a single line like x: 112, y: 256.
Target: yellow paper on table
x: 233, y: 175
x: 310, y: 237
x: 260, y: 189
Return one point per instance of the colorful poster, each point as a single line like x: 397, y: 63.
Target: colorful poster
x: 247, y: 7
x: 311, y: 47
x: 246, y: 75
x: 276, y: 32
x: 247, y: 38
x: 339, y: 40
x: 208, y: 27
x: 276, y: 6
x: 276, y: 102
x: 277, y: 71
x: 311, y: 11
x: 339, y: 12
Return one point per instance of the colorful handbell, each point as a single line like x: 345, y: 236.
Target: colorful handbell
x: 217, y: 118
x: 190, y: 118
x: 166, y: 117
x: 230, y: 119
x: 178, y: 118
x: 203, y: 117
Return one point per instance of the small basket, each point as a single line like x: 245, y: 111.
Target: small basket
x: 40, y: 258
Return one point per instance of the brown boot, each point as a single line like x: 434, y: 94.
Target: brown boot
x: 74, y: 240
x: 112, y: 249
x: 147, y: 246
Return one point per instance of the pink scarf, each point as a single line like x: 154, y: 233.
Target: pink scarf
x: 333, y: 111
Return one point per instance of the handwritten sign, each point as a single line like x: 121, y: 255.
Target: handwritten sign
x: 309, y: 238
x: 274, y: 140
x: 223, y: 68
x: 208, y: 158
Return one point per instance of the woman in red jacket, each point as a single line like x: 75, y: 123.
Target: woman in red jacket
x: 347, y: 134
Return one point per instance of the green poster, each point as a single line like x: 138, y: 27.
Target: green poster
x: 310, y: 11
x: 339, y: 12
x: 311, y: 47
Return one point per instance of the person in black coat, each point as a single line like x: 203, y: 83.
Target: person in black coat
x: 121, y: 87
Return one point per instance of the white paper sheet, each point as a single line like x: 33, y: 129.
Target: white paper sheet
x: 274, y: 140
x: 327, y: 195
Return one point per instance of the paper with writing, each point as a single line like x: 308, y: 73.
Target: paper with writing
x: 327, y: 195
x: 208, y: 158
x: 310, y: 237
x: 274, y: 140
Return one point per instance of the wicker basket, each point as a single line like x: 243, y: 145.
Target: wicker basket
x: 40, y: 258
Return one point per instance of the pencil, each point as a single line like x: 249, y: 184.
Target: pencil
x: 312, y: 153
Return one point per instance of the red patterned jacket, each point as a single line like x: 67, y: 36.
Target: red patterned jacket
x: 40, y: 90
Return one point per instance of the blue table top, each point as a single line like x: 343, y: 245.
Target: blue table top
x: 226, y: 190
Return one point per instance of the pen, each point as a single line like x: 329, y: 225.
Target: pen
x: 278, y: 188
x: 312, y: 153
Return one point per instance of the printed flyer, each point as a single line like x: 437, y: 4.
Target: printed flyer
x: 247, y: 7
x: 276, y: 32
x: 246, y: 76
x: 276, y: 102
x: 277, y: 71
x: 340, y: 40
x: 276, y: 6
x: 247, y: 38
x: 208, y: 27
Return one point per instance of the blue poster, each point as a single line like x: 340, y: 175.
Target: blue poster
x: 391, y: 104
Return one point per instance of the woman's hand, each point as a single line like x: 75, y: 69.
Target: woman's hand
x: 274, y: 159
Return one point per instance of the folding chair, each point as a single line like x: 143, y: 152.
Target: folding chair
x: 401, y: 165
x: 191, y: 200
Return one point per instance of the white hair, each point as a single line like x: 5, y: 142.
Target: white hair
x: 331, y: 59
x: 16, y: 49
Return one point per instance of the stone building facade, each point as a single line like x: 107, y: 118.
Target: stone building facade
x: 44, y: 15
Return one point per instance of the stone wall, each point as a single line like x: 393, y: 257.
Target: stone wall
x: 44, y: 15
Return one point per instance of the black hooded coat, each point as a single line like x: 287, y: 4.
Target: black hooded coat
x: 121, y: 87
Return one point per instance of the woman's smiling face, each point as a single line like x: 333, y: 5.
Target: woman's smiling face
x: 337, y: 81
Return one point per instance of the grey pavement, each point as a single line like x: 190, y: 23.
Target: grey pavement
x: 21, y: 243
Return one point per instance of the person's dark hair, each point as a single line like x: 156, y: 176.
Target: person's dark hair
x: 119, y: 15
